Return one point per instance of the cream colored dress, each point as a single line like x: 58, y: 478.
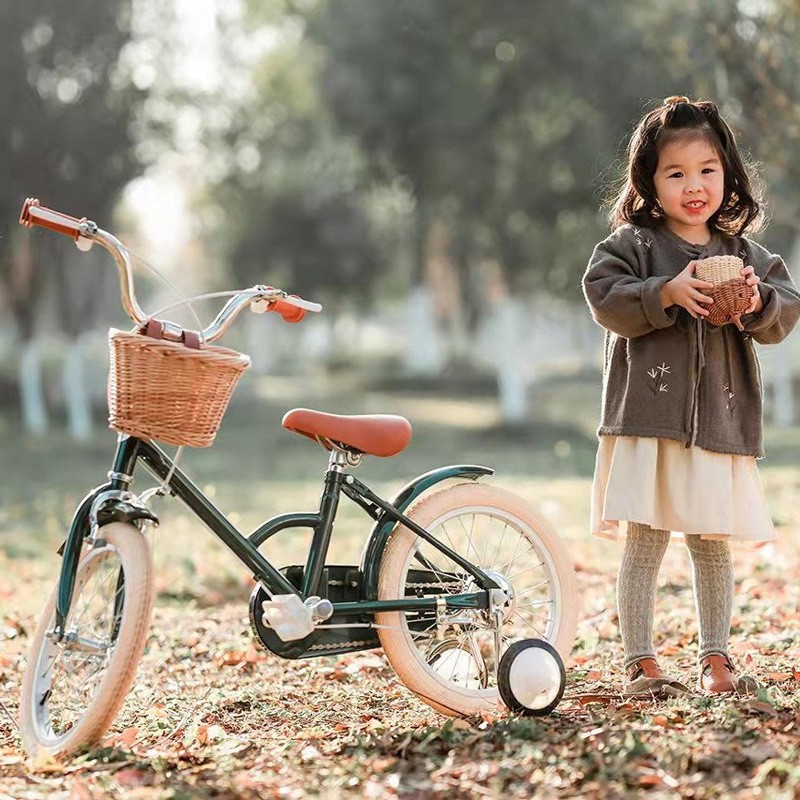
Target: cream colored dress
x: 667, y: 485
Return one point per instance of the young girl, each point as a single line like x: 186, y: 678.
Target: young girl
x: 681, y: 418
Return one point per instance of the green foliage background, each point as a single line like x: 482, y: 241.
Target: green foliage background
x: 342, y: 132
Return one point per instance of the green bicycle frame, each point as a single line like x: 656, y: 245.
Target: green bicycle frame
x: 130, y: 450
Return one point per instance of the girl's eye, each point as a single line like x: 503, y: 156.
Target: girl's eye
x: 676, y: 175
x: 708, y: 170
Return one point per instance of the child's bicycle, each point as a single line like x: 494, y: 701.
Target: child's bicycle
x: 470, y: 593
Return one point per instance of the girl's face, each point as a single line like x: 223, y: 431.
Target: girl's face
x: 690, y: 184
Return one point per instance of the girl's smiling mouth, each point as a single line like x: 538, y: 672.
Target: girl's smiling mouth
x: 694, y: 205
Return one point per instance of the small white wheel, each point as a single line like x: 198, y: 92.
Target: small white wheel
x: 531, y: 678
x: 74, y: 687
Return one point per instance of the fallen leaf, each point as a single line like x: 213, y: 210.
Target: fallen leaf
x: 80, y: 791
x: 490, y: 717
x: 44, y: 762
x: 585, y: 699
x: 760, y: 707
x: 650, y: 779
x: 779, y: 676
x: 125, y: 738
x: 131, y: 777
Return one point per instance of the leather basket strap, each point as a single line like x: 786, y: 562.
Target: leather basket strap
x: 154, y: 328
x: 191, y: 339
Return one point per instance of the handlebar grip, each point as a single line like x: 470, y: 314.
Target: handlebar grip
x: 34, y: 214
x: 289, y: 311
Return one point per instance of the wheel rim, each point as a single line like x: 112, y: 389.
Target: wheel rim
x: 69, y: 673
x: 514, y: 555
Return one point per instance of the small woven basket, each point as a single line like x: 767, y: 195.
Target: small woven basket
x: 731, y: 294
x: 163, y: 390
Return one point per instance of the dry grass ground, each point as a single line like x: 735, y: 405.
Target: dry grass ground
x: 211, y: 716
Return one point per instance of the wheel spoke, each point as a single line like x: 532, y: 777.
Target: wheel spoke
x: 470, y: 545
x: 499, y: 545
x: 442, y: 578
x: 533, y: 588
x: 509, y: 564
x: 535, y: 566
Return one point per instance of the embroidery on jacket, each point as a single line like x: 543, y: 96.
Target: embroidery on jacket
x: 730, y: 403
x: 656, y: 383
x: 641, y: 240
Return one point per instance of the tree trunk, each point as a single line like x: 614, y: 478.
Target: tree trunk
x: 76, y: 396
x: 511, y: 382
x: 424, y: 354
x: 34, y: 410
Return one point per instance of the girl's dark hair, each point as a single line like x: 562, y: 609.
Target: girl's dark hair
x: 678, y: 117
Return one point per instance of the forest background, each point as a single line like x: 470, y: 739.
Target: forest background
x: 433, y: 172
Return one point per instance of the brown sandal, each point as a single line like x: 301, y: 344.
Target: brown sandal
x: 647, y: 680
x: 718, y: 676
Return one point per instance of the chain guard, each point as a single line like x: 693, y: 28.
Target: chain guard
x: 340, y: 584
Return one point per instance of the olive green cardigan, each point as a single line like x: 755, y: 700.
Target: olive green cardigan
x: 666, y: 374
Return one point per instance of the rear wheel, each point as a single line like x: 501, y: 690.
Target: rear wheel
x: 74, y: 687
x: 452, y: 662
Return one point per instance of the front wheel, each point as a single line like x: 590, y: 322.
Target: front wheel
x: 74, y: 687
x: 450, y: 659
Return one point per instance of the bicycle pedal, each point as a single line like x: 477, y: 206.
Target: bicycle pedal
x: 288, y: 616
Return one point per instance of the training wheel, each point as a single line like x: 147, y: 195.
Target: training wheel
x: 531, y: 677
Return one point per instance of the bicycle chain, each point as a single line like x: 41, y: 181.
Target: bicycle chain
x: 428, y: 585
x: 337, y: 645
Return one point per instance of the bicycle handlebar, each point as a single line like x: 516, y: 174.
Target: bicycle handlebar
x: 85, y: 233
x: 34, y: 214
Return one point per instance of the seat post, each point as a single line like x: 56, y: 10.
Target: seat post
x: 340, y: 457
x: 337, y: 461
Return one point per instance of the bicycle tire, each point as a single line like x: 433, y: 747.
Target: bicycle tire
x: 398, y: 638
x: 127, y: 631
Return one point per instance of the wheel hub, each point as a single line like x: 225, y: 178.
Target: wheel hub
x: 507, y: 602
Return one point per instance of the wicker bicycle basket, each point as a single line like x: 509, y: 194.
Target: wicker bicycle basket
x: 731, y: 293
x: 164, y: 390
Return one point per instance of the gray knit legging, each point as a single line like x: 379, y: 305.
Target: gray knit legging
x: 712, y: 580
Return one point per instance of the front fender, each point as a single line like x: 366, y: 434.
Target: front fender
x: 383, y: 527
x: 113, y: 510
x: 71, y: 551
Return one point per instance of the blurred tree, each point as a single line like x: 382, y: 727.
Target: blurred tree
x: 746, y: 58
x: 68, y: 115
x: 292, y: 200
x: 495, y: 115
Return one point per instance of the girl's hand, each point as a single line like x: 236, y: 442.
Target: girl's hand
x: 756, y: 303
x: 684, y: 290
x: 751, y: 279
